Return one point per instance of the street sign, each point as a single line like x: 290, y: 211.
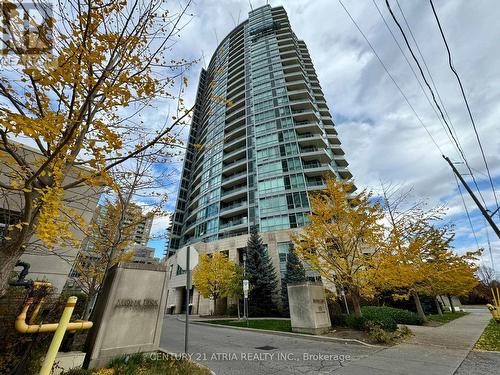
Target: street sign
x: 182, y: 255
x: 246, y: 287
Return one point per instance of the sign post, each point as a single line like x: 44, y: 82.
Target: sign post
x: 246, y: 287
x: 187, y: 259
x: 188, y: 281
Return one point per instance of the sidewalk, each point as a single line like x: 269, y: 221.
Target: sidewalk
x: 433, y: 350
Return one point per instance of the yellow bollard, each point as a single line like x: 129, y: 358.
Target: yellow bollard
x: 50, y: 357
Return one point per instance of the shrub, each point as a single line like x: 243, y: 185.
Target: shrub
x: 404, y: 331
x: 377, y: 333
x: 381, y: 317
x: 354, y: 322
x: 77, y: 371
x: 400, y: 316
x: 339, y: 320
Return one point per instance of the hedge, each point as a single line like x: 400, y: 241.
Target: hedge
x: 400, y: 316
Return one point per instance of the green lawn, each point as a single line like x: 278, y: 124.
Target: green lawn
x: 446, y: 317
x: 267, y: 324
x: 490, y: 339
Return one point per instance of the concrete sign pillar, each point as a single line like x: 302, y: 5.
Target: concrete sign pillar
x: 129, y: 312
x: 308, y: 308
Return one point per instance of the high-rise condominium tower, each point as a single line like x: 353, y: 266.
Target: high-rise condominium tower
x: 264, y: 139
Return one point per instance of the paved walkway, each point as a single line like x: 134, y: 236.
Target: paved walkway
x: 433, y: 350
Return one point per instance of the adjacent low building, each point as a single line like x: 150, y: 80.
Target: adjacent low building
x: 53, y: 265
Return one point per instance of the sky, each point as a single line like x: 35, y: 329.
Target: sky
x: 380, y: 134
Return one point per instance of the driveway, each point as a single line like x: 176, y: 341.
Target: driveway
x: 232, y: 352
x: 432, y: 350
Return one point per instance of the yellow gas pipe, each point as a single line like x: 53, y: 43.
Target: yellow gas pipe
x: 23, y: 327
x: 59, y: 328
x: 50, y: 357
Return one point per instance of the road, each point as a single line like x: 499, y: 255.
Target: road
x: 232, y: 352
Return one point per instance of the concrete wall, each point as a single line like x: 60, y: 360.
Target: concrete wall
x: 128, y: 313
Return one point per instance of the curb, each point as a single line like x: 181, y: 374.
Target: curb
x: 288, y: 334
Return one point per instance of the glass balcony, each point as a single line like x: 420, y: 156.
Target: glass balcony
x: 232, y: 223
x: 233, y: 206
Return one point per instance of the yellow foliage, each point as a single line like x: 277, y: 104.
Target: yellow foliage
x: 418, y: 258
x: 111, y: 234
x: 67, y: 103
x: 342, y: 237
x: 213, y: 275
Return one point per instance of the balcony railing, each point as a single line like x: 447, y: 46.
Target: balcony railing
x: 236, y: 205
x: 236, y: 175
x: 233, y: 223
x: 315, y: 165
x: 234, y: 190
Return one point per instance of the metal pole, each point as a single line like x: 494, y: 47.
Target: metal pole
x: 474, y: 198
x: 188, y: 282
x: 245, y: 298
x: 50, y: 357
x: 246, y: 304
x: 345, y: 301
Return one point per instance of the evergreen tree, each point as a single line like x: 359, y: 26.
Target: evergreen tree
x: 295, y: 273
x: 261, y: 276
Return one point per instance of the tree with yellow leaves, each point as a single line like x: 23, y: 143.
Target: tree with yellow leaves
x: 110, y: 234
x: 79, y: 103
x: 214, y: 276
x: 455, y: 276
x: 342, y: 238
x: 417, y: 257
x: 107, y: 244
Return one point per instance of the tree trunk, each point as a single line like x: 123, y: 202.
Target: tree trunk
x: 88, y: 307
x: 451, y: 304
x: 438, y: 306
x: 420, y: 310
x: 215, y: 306
x: 355, y: 303
x: 12, y: 249
x: 7, y: 263
x: 238, y: 304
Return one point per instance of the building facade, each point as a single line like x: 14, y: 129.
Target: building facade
x: 262, y: 138
x: 47, y: 264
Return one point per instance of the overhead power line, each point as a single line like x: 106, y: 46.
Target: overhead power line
x: 390, y: 75
x: 450, y: 63
x: 466, y: 211
x: 413, y: 71
x: 434, y: 98
x: 421, y: 55
x: 489, y: 248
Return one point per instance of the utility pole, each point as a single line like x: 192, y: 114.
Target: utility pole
x: 474, y: 198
